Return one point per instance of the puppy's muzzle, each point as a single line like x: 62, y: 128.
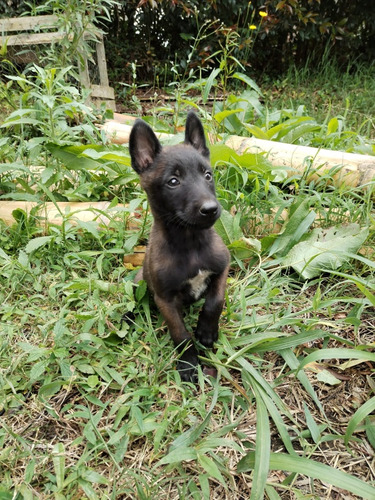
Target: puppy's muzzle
x: 210, y: 209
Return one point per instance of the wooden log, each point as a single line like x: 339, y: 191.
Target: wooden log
x: 118, y: 133
x: 136, y: 258
x: 353, y: 169
x: 51, y: 213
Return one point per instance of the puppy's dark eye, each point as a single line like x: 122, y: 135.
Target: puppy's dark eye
x: 174, y: 182
x: 208, y: 176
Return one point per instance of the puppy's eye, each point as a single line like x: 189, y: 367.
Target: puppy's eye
x: 174, y: 182
x: 208, y: 176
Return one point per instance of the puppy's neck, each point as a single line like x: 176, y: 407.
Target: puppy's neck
x: 180, y: 235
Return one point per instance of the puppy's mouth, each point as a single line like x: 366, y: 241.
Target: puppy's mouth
x: 199, y: 220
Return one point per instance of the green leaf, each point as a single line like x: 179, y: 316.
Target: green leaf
x: 48, y: 390
x: 310, y: 468
x: 29, y: 473
x: 92, y: 381
x: 278, y: 420
x: 311, y: 424
x: 38, y: 369
x: 332, y: 126
x: 94, y: 477
x: 325, y: 249
x: 89, y: 433
x: 47, y: 174
x: 370, y: 431
x: 291, y: 341
x: 58, y: 457
x: 300, y: 220
x: 249, y: 81
x: 336, y: 353
x: 219, y: 117
x: 188, y: 437
x: 292, y: 361
x: 272, y: 493
x: 362, y: 412
x: 256, y: 131
x: 262, y: 448
x: 71, y: 160
x: 36, y: 243
x: 4, y: 255
x: 179, y: 455
x: 209, y: 83
x: 222, y: 154
x: 89, y: 226
x: 121, y: 157
x: 211, y: 468
x: 20, y: 197
x: 245, y: 248
x: 228, y: 227
x: 88, y: 489
x: 327, y: 378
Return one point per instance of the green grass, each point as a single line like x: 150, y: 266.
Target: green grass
x: 327, y: 91
x: 92, y: 406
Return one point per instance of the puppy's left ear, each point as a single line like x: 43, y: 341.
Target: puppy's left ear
x: 194, y: 134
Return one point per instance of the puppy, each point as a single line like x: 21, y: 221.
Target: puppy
x: 185, y: 258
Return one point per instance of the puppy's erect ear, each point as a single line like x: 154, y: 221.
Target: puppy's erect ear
x: 143, y: 146
x: 194, y: 134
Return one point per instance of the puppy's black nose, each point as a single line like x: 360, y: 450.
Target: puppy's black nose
x: 209, y: 208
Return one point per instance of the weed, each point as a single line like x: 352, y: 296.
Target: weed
x: 91, y: 406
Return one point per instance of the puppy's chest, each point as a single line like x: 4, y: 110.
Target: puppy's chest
x: 198, y: 284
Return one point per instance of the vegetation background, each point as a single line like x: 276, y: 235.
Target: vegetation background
x: 91, y: 405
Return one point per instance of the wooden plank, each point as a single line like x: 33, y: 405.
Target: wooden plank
x: 101, y: 91
x: 37, y: 38
x: 27, y: 23
x: 83, y: 69
x: 32, y: 38
x: 102, y: 64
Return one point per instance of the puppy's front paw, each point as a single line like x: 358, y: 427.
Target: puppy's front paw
x: 187, y: 366
x: 206, y: 337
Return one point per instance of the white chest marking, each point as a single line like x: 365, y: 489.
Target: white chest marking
x: 198, y: 284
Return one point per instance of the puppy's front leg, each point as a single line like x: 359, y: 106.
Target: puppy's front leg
x: 208, y: 323
x: 188, y: 361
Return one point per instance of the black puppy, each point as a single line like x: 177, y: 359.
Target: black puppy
x: 185, y: 257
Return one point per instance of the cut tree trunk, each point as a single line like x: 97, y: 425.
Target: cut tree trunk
x: 352, y: 169
x: 51, y: 213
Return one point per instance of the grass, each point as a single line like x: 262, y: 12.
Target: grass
x: 92, y: 406
x: 326, y: 92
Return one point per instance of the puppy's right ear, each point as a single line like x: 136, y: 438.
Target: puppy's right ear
x: 143, y: 146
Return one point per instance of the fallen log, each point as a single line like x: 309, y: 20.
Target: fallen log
x: 352, y: 169
x: 118, y: 133
x: 51, y: 213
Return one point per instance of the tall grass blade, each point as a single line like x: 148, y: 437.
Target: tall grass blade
x: 362, y: 412
x: 340, y: 353
x: 262, y: 448
x: 316, y: 470
x: 293, y: 363
x: 209, y: 83
x: 58, y: 454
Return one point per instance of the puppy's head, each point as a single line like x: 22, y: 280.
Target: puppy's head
x: 177, y: 179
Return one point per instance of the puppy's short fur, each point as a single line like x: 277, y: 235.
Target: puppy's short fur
x: 185, y: 258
